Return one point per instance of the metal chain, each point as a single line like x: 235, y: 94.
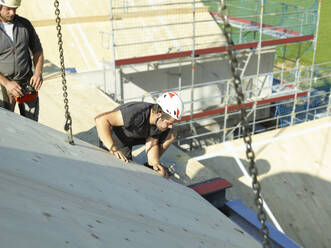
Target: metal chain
x: 227, y: 30
x: 68, y: 123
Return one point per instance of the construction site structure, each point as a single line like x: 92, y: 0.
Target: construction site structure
x: 91, y: 186
x: 178, y: 45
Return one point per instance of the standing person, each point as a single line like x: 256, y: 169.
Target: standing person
x: 17, y: 39
x: 136, y: 123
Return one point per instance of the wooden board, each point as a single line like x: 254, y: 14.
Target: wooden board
x: 57, y: 195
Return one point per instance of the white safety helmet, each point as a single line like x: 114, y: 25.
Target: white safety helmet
x: 171, y: 104
x: 11, y: 3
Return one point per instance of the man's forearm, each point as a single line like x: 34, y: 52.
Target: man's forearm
x: 103, y: 128
x: 104, y: 133
x: 152, y: 151
x: 153, y: 158
x: 38, y: 62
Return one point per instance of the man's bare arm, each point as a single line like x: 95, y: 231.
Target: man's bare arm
x: 38, y: 62
x: 103, y: 125
x: 153, y: 156
x: 152, y: 151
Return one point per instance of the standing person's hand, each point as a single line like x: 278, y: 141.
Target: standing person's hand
x: 14, y: 89
x: 36, y: 81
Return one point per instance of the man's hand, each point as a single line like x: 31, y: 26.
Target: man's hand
x: 14, y: 89
x: 118, y: 154
x: 36, y: 81
x: 159, y: 168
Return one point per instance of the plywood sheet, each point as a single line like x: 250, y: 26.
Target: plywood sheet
x: 57, y: 195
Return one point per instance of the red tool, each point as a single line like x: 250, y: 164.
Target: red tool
x: 29, y: 94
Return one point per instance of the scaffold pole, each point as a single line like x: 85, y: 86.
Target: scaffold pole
x: 228, y: 82
x: 312, y: 71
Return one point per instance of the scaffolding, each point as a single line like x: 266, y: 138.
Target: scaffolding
x: 159, y: 45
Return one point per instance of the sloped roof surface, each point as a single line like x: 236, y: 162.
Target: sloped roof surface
x: 57, y: 195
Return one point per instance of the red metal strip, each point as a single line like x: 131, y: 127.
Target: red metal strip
x: 209, y: 187
x: 247, y: 105
x: 287, y: 40
x: 221, y: 49
x: 144, y: 59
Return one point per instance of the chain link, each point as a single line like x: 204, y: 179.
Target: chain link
x: 261, y: 215
x: 68, y: 123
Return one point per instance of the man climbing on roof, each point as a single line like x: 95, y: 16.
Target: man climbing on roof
x: 136, y: 123
x: 17, y: 39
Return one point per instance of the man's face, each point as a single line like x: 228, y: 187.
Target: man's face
x: 7, y: 14
x: 164, y: 124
